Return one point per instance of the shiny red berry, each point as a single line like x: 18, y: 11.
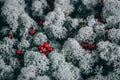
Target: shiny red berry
x: 46, y: 44
x: 31, y: 31
x: 18, y: 52
x: 91, y: 46
x: 40, y: 47
x: 50, y: 49
x: 84, y: 44
x: 45, y: 52
x: 10, y: 36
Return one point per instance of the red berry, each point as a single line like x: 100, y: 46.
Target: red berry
x: 46, y: 44
x: 41, y: 23
x: 32, y: 31
x: 40, y: 47
x: 84, y: 44
x: 45, y: 52
x: 10, y: 36
x: 91, y: 46
x: 50, y: 49
x: 18, y: 52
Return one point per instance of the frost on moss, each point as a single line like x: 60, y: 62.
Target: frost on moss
x: 90, y: 3
x: 26, y: 23
x: 40, y: 38
x: 111, y: 12
x: 114, y: 35
x: 85, y: 34
x: 65, y: 6
x: 72, y: 50
x: 38, y: 6
x: 27, y: 73
x: 54, y: 24
x: 6, y: 47
x: 59, y: 67
x: 78, y: 56
x: 6, y: 71
x: 38, y: 60
x: 11, y: 10
x: 42, y: 78
x: 108, y: 51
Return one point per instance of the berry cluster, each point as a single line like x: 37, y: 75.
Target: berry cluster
x: 45, y: 48
x: 88, y: 46
x: 9, y: 36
